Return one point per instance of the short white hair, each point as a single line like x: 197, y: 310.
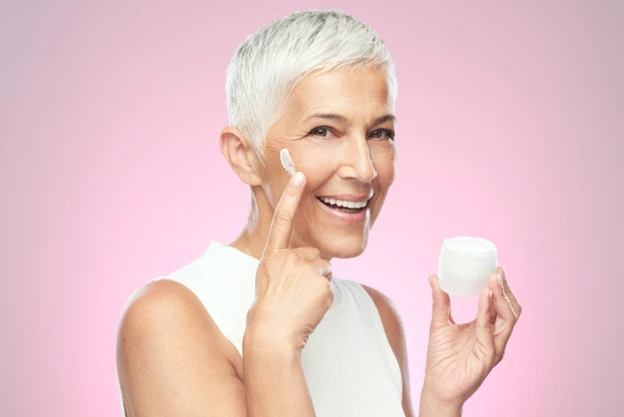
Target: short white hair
x: 271, y: 61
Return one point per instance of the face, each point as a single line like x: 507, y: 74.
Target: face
x: 339, y: 131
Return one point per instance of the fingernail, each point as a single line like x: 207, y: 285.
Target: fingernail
x: 500, y: 281
x: 298, y: 178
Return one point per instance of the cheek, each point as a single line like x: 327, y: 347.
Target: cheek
x: 317, y: 174
x: 318, y: 163
x: 384, y: 157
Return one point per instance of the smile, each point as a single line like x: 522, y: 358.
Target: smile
x: 346, y: 210
x: 344, y: 203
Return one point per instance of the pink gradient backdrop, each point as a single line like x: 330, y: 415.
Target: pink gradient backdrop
x: 510, y: 128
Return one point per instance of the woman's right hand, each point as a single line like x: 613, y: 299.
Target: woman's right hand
x: 293, y: 290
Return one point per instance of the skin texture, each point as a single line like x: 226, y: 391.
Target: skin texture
x: 173, y: 359
x: 351, y: 157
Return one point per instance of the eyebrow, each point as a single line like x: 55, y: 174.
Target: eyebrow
x: 342, y: 119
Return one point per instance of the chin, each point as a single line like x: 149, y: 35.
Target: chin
x: 345, y: 246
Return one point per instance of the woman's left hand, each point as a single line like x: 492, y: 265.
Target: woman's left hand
x: 460, y: 356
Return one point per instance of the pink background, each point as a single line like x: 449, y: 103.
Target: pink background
x: 510, y: 128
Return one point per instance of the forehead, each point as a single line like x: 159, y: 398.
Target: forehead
x: 343, y: 91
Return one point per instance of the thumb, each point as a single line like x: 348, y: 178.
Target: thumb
x: 441, y: 314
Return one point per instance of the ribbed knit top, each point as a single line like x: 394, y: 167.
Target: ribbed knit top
x: 349, y: 366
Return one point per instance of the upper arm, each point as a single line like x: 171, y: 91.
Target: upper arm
x: 170, y: 358
x: 393, y: 326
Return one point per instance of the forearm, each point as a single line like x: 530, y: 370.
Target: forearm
x: 429, y: 407
x: 275, y: 384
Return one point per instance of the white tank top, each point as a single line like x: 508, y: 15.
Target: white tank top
x: 349, y: 366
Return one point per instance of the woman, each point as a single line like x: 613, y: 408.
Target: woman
x: 261, y: 327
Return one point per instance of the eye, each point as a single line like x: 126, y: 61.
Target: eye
x: 320, y: 130
x: 389, y: 133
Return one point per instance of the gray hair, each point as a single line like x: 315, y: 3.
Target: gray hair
x: 271, y: 61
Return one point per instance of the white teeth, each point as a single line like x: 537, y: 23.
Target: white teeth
x: 343, y: 203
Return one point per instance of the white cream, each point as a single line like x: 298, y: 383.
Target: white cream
x: 465, y: 265
x: 287, y: 162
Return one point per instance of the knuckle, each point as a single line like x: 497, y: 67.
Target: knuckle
x: 267, y: 264
x: 302, y: 252
x: 292, y: 256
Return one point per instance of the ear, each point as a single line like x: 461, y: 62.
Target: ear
x: 240, y: 155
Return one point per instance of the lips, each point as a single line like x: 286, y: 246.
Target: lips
x: 349, y: 197
x: 345, y: 214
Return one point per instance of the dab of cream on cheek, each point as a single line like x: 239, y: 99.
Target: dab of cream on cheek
x: 466, y: 265
x: 287, y: 162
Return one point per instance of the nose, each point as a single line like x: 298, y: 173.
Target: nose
x: 357, y: 160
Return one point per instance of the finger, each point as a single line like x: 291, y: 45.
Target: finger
x: 485, y: 321
x: 509, y: 293
x: 281, y: 225
x: 492, y: 308
x: 323, y: 267
x: 506, y: 317
x: 441, y: 314
x: 500, y: 286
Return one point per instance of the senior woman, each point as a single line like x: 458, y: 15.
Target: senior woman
x: 261, y: 327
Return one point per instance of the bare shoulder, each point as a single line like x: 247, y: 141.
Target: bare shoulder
x: 171, y: 356
x: 160, y: 309
x: 393, y: 327
x: 157, y: 296
x: 387, y: 310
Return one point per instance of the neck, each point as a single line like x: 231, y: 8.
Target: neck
x: 254, y: 236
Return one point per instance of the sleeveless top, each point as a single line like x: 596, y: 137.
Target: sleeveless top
x: 348, y: 363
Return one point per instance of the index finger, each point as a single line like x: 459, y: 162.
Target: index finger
x: 281, y: 225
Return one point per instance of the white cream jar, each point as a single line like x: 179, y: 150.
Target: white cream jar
x: 465, y: 265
